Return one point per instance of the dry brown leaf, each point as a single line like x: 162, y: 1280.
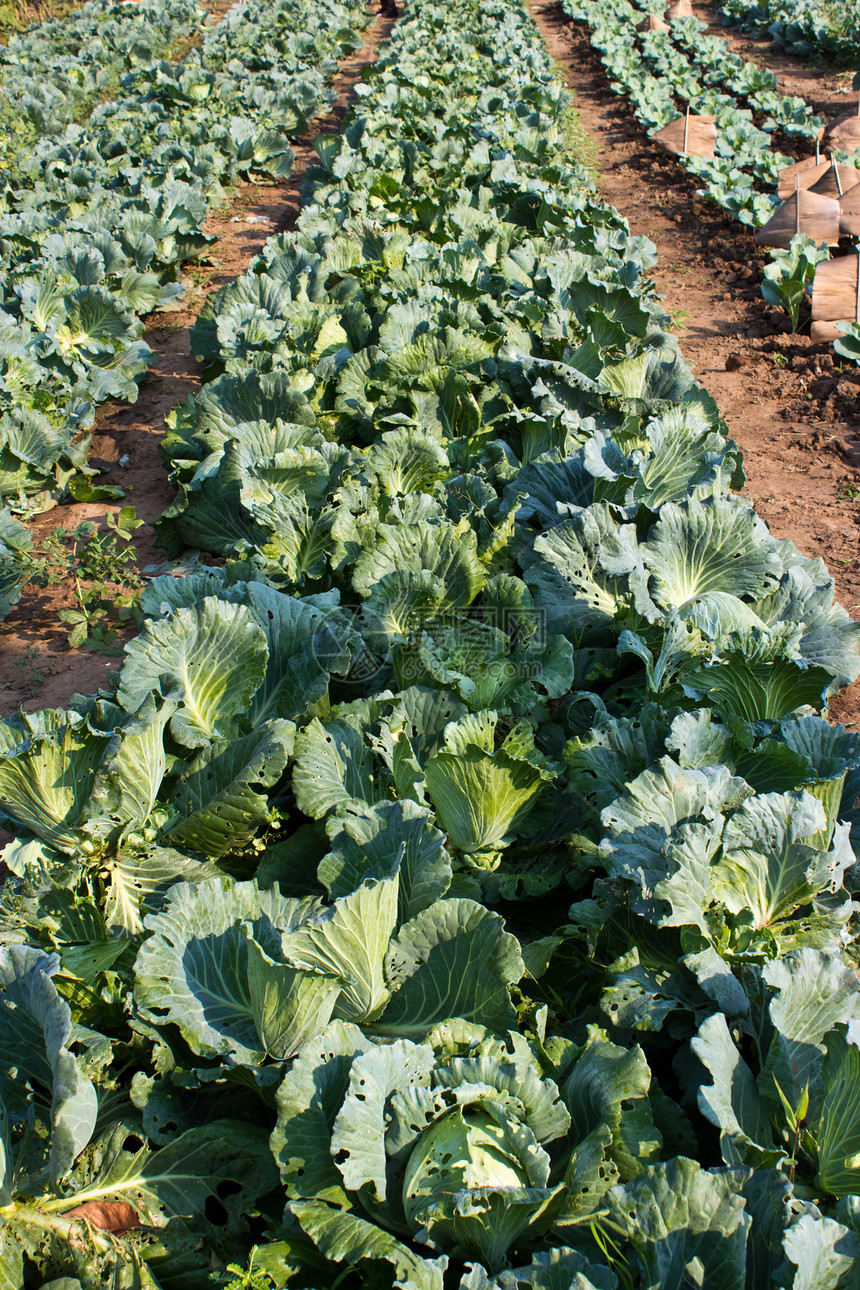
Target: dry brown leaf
x: 115, y: 1216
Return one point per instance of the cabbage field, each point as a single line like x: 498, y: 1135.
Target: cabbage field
x: 454, y: 890
x: 828, y: 28
x: 96, y: 219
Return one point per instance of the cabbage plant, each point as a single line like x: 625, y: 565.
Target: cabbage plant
x: 446, y: 1151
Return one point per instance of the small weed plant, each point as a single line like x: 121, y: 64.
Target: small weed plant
x: 235, y: 1277
x: 100, y: 562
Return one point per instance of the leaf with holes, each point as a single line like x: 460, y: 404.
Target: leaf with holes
x: 220, y: 799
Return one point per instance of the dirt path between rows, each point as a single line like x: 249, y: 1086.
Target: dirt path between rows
x: 789, y: 407
x: 37, y: 668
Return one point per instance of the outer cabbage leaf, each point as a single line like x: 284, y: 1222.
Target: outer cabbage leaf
x: 823, y: 1251
x: 139, y: 878
x: 308, y: 1100
x: 830, y: 638
x: 758, y: 690
x: 482, y: 795
x: 569, y: 580
x: 333, y: 769
x: 36, y: 1026
x: 550, y: 488
x: 452, y: 960
x: 706, y: 546
x: 364, y: 1121
x: 178, y: 1180
x: 614, y: 751
x: 770, y: 1203
x: 47, y: 773
x: 766, y: 867
x: 211, y: 658
x: 662, y: 836
x: 837, y: 1135
x: 685, y: 456
x: 408, y: 461
x: 213, y: 415
x: 308, y: 640
x: 553, y: 1269
x: 445, y: 552
x: 611, y: 1122
x: 365, y: 846
x: 346, y: 1239
x: 732, y: 1101
x: 810, y: 993
x: 815, y: 755
x: 193, y: 970
x: 165, y: 594
x: 685, y: 1221
x: 350, y: 940
x: 218, y: 798
x: 126, y: 785
x: 289, y: 1006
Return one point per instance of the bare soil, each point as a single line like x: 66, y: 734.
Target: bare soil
x: 792, y: 409
x: 37, y: 668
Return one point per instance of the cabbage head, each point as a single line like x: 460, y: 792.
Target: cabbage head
x: 475, y: 1181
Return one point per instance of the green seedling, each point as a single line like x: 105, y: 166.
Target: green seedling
x: 249, y: 1278
x: 101, y: 564
x: 788, y: 279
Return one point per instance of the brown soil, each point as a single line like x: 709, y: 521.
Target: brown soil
x: 37, y: 668
x: 789, y: 406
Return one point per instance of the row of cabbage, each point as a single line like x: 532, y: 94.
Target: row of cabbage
x: 687, y: 67
x: 58, y: 71
x: 96, y: 220
x: 684, y: 66
x: 285, y: 959
x: 664, y: 73
x: 823, y: 28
